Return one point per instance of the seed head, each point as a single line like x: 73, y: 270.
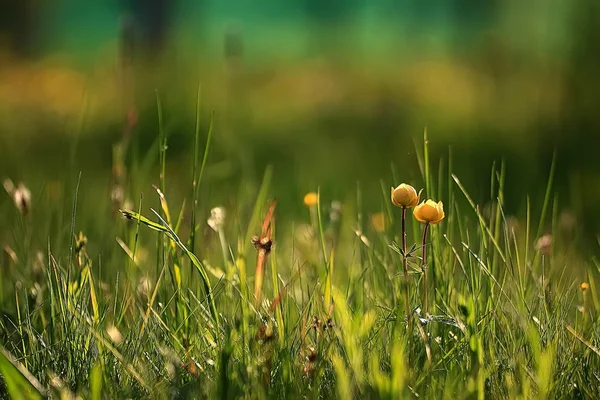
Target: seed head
x: 20, y: 194
x: 216, y: 219
x: 544, y: 244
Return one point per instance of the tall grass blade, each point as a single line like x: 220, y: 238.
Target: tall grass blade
x: 480, y: 218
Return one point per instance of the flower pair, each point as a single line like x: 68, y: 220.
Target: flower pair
x: 429, y: 211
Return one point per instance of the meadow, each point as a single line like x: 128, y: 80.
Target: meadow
x: 304, y: 199
x: 184, y: 289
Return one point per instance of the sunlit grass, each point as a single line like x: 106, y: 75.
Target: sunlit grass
x: 168, y: 308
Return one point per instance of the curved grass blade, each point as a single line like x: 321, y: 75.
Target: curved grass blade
x: 164, y: 227
x: 132, y: 215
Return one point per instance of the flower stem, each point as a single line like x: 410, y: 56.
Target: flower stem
x: 424, y: 268
x: 406, y: 286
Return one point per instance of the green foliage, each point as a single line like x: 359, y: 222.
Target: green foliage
x: 19, y: 382
x: 165, y: 316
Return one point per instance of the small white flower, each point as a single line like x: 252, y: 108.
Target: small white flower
x: 20, y: 194
x: 22, y: 198
x: 216, y: 219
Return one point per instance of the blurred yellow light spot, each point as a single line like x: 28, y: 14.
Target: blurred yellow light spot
x: 378, y: 221
x: 311, y: 199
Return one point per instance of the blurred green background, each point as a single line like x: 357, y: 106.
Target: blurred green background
x: 329, y: 93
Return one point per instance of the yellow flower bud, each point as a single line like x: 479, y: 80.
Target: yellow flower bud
x: 405, y: 196
x: 585, y: 286
x: 430, y: 212
x: 311, y: 199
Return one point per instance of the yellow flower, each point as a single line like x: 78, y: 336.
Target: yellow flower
x: 585, y: 286
x: 311, y: 199
x: 430, y: 212
x: 405, y: 196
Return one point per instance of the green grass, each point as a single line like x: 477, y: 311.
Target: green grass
x: 168, y: 311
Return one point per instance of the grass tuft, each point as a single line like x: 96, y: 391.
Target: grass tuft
x: 344, y: 311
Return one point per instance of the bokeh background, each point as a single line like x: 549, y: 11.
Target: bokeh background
x: 328, y: 92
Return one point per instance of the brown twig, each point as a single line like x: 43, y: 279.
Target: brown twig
x: 263, y: 244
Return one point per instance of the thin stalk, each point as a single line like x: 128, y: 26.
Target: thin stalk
x: 320, y: 229
x: 406, y: 287
x: 161, y: 242
x: 224, y: 248
x: 198, y: 178
x: 424, y: 268
x: 162, y: 150
x: 194, y: 171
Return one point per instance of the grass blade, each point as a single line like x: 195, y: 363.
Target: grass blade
x: 20, y: 383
